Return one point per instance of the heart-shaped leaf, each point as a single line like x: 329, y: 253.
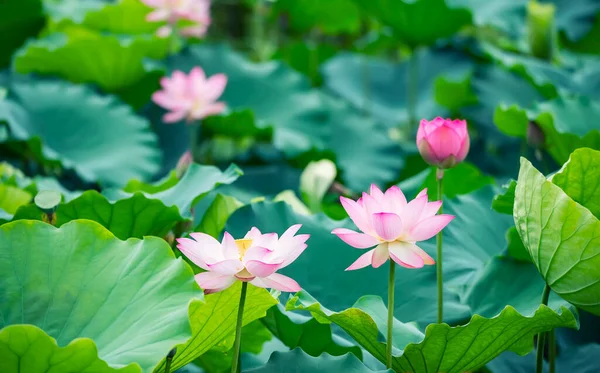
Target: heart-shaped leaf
x: 130, y: 297
x: 442, y: 348
x: 112, y: 147
x: 26, y: 348
x: 561, y: 236
x: 214, y: 319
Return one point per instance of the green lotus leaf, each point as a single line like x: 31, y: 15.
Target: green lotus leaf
x: 214, y: 219
x: 297, y: 330
x: 418, y: 22
x: 26, y: 348
x: 442, y: 348
x: 462, y: 179
x: 296, y: 361
x: 19, y: 20
x: 112, y: 147
x: 561, y: 237
x: 464, y: 256
x: 79, y: 281
x: 214, y: 319
x: 505, y: 201
x: 11, y: 198
x: 116, y: 64
x: 579, y: 179
x: 378, y: 87
x: 330, y: 17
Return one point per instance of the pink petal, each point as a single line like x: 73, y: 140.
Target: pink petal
x: 363, y: 261
x: 215, y: 86
x: 464, y: 149
x: 227, y: 267
x: 253, y: 233
x: 197, y: 77
x: 371, y: 205
x: 258, y: 253
x: 158, y: 15
x: 174, y: 116
x: 412, y: 212
x: 164, y: 31
x: 261, y: 269
x: 291, y: 231
x: 460, y: 127
x: 428, y: 153
x: 427, y: 260
x: 268, y: 240
x: 193, y: 251
x: 277, y: 281
x: 163, y: 99
x: 403, y: 254
x: 205, y: 111
x: 229, y: 247
x: 212, y: 282
x: 355, y: 239
x: 380, y: 255
x: 377, y: 194
x: 395, y: 199
x: 429, y: 227
x: 445, y: 142
x: 387, y: 225
x: 293, y: 254
x: 430, y: 209
x: 357, y: 214
x: 422, y: 193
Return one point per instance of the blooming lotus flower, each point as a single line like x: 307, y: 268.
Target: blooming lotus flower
x: 443, y: 142
x: 190, y: 96
x: 254, y: 259
x: 195, y: 11
x: 393, y: 225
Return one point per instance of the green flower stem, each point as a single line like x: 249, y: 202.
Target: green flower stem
x: 440, y: 280
x: 390, y: 320
x: 194, y: 129
x: 238, y: 330
x: 539, y: 364
x: 412, y: 88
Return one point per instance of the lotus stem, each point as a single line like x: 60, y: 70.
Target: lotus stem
x: 440, y: 280
x: 539, y: 363
x: 390, y: 320
x: 552, y: 350
x: 238, y: 330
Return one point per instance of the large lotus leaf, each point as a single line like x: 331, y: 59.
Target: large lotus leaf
x: 98, y: 136
x: 420, y: 22
x: 296, y: 361
x: 379, y: 87
x: 130, y: 297
x: 116, y: 64
x: 462, y: 179
x: 561, y: 236
x: 297, y: 330
x: 442, y: 348
x: 278, y: 96
x: 573, y: 17
x: 330, y: 17
x: 464, y: 256
x: 580, y: 179
x: 197, y: 181
x: 26, y: 348
x: 11, y: 198
x: 567, y: 122
x: 214, y: 219
x: 214, y: 320
x: 19, y: 20
x: 121, y: 17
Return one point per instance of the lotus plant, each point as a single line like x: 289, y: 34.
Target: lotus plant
x: 194, y: 12
x: 443, y: 143
x: 393, y: 226
x: 253, y: 259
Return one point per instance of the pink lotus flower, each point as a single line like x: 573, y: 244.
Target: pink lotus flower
x: 190, y: 96
x: 394, y: 225
x: 443, y: 142
x: 254, y: 259
x: 172, y: 11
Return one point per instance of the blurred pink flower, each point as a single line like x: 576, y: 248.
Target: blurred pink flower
x: 190, y: 96
x: 443, y: 142
x: 254, y: 259
x: 196, y: 12
x: 394, y: 225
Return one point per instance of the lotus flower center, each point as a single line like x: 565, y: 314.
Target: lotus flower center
x: 243, y: 245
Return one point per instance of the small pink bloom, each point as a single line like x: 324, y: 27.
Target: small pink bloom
x: 190, y: 96
x: 443, y: 142
x: 393, y: 225
x: 254, y: 259
x: 172, y: 11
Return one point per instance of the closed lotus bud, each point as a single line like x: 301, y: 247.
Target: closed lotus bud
x: 183, y: 163
x: 541, y: 30
x: 535, y: 136
x: 443, y: 142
